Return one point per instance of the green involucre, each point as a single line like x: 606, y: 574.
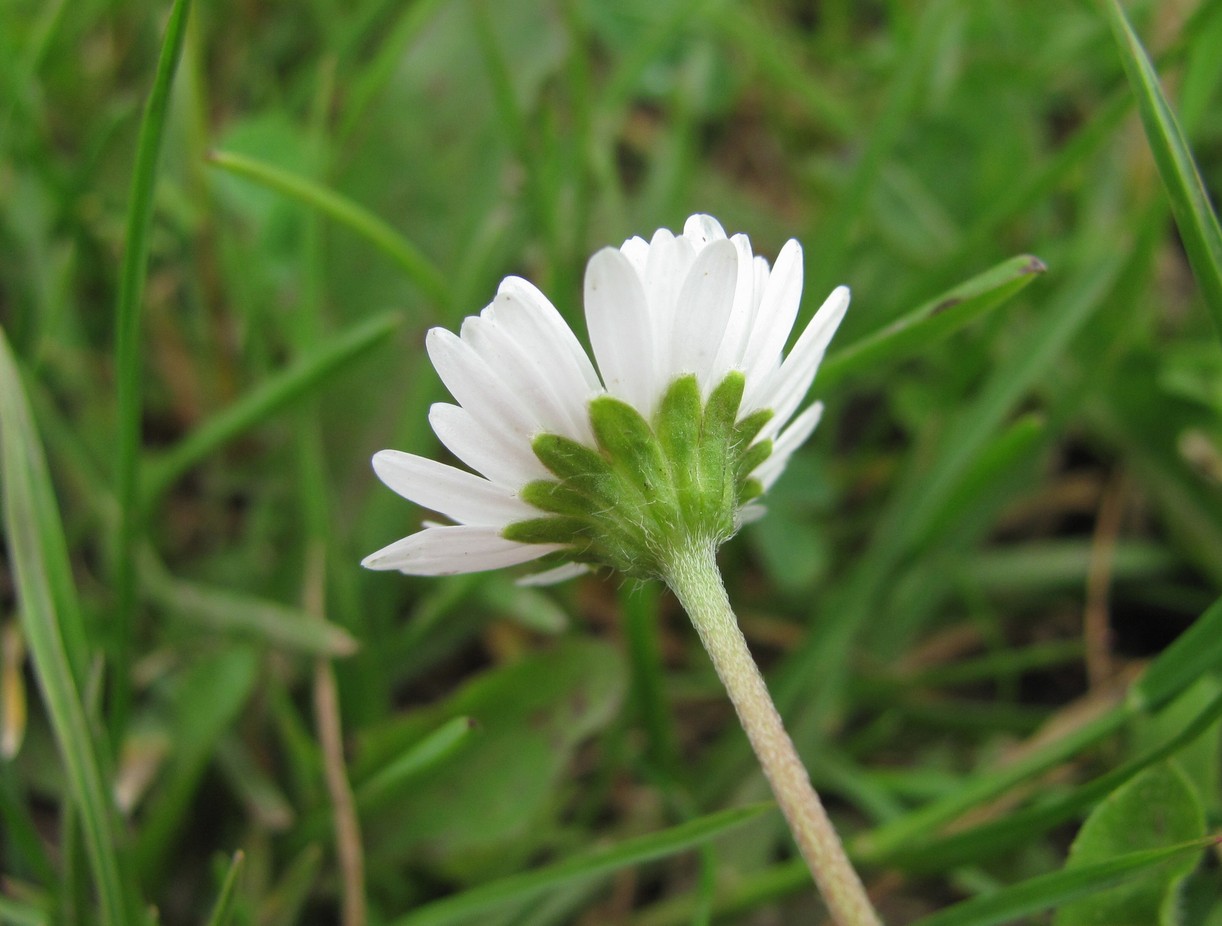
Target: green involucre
x: 648, y: 489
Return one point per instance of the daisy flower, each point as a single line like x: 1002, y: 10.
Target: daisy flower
x: 689, y: 416
x: 646, y: 464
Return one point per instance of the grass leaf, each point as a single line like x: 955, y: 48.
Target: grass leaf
x: 434, y: 748
x: 267, y: 621
x: 934, y: 320
x: 1048, y: 891
x: 1196, y: 651
x: 419, y: 268
x: 1194, y: 214
x: 129, y: 370
x: 222, y: 913
x: 273, y: 394
x: 30, y: 529
x: 636, y: 851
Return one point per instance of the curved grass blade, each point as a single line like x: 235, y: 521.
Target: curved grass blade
x: 16, y: 913
x: 128, y: 370
x: 996, y: 837
x: 377, y: 73
x: 1194, y: 214
x: 984, y: 786
x: 266, y: 621
x: 222, y: 913
x: 1048, y: 891
x: 204, y: 701
x: 419, y: 269
x: 29, y: 521
x: 268, y: 397
x: 522, y: 887
x: 780, y: 57
x: 435, y: 747
x: 1194, y: 652
x: 933, y: 320
x: 923, y: 47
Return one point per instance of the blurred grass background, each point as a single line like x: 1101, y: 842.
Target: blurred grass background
x: 988, y: 535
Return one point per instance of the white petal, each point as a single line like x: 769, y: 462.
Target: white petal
x: 774, y: 319
x: 478, y: 388
x: 749, y: 514
x: 529, y: 371
x: 636, y: 249
x: 617, y: 316
x: 670, y: 260
x: 702, y: 312
x: 551, y: 357
x: 784, y: 390
x: 544, y: 315
x: 509, y: 462
x: 459, y: 495
x: 703, y: 229
x: 790, y: 440
x: 446, y: 551
x: 553, y: 576
x: 742, y: 315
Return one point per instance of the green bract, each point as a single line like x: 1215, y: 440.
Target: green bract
x: 650, y: 488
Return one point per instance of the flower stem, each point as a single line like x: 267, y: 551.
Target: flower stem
x: 696, y: 581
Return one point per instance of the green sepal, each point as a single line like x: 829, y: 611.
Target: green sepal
x: 554, y: 529
x: 725, y: 400
x: 648, y: 491
x: 750, y: 488
x: 718, y: 448
x: 567, y: 458
x: 678, y: 424
x: 749, y: 428
x: 753, y: 457
x: 628, y: 441
x: 556, y: 498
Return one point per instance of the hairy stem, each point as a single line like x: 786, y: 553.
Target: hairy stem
x: 693, y: 576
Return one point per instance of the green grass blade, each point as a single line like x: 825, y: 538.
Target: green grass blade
x: 1049, y: 891
x: 27, y: 524
x: 1194, y: 214
x: 374, y: 76
x: 748, y: 891
x: 983, y: 787
x: 204, y: 701
x: 996, y: 837
x: 422, y: 756
x: 16, y: 913
x: 934, y: 320
x: 273, y: 394
x: 25, y: 852
x: 419, y: 269
x: 128, y: 360
x: 522, y: 887
x: 1196, y: 651
x: 917, y: 61
x: 779, y: 55
x: 639, y: 607
x: 222, y: 913
x: 229, y: 612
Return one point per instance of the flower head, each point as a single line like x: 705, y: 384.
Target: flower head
x: 688, y: 418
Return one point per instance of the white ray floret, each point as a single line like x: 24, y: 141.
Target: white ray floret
x: 699, y: 304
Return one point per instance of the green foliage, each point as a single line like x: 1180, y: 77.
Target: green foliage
x: 1155, y: 809
x: 224, y: 230
x: 530, y: 718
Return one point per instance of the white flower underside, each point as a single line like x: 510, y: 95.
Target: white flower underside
x: 697, y: 303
